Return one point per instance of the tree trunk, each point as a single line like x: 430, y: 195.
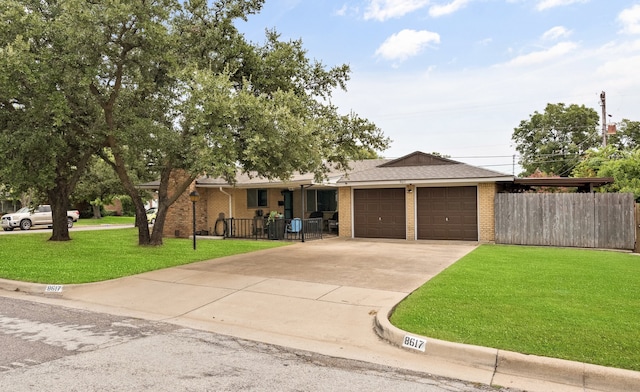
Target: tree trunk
x: 118, y: 164
x: 158, y: 226
x: 144, y: 237
x: 96, y: 211
x: 59, y: 200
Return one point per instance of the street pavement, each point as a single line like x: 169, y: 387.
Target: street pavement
x: 59, y: 349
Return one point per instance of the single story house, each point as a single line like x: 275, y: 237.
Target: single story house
x: 416, y: 197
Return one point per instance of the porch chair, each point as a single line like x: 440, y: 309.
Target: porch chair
x: 333, y: 223
x: 295, y: 226
x: 316, y: 215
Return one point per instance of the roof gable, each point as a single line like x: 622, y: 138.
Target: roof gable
x: 419, y: 159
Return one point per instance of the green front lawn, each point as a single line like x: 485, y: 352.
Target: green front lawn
x: 94, y: 256
x: 581, y: 305
x: 107, y: 220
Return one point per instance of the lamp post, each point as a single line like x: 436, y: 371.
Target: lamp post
x: 194, y: 197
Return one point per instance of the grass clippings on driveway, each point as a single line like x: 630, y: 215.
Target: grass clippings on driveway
x: 581, y: 305
x: 93, y: 256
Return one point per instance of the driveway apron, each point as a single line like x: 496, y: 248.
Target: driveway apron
x: 320, y: 295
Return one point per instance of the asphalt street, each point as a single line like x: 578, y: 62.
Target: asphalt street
x: 53, y: 348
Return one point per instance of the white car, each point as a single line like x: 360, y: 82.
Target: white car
x: 151, y: 215
x: 26, y: 217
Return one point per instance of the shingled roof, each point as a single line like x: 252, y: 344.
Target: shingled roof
x: 415, y: 168
x: 421, y: 167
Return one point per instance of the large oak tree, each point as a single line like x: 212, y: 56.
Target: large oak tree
x: 180, y: 89
x: 47, y: 116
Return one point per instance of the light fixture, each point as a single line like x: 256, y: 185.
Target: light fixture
x: 194, y: 197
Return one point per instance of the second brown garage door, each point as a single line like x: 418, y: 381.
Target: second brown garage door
x: 379, y: 213
x: 449, y: 213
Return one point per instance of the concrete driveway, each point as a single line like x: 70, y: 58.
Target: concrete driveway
x: 319, y: 295
x: 320, y: 291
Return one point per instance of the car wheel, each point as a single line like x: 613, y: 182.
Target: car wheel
x: 69, y: 222
x: 8, y: 229
x: 25, y: 224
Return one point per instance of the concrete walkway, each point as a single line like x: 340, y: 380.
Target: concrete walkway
x: 325, y: 296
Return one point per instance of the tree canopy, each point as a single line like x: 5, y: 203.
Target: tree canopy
x: 555, y: 141
x: 166, y: 86
x: 622, y: 165
x: 46, y: 118
x: 627, y: 136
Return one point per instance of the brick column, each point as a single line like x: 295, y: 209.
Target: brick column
x: 486, y: 207
x: 344, y: 208
x: 410, y: 212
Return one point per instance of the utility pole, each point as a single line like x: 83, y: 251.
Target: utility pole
x: 603, y: 103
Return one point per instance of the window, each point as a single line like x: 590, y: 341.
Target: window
x: 322, y: 200
x: 257, y: 198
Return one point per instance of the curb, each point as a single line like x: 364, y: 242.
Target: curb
x: 23, y: 287
x: 511, y: 364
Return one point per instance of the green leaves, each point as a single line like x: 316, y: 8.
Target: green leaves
x: 623, y: 166
x: 554, y: 141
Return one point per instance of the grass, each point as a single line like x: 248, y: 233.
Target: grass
x: 94, y: 256
x: 106, y: 220
x: 580, y: 305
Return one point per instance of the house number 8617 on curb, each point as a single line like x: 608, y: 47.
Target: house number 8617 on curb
x: 414, y: 343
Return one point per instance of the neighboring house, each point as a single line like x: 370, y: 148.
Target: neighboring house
x: 415, y: 197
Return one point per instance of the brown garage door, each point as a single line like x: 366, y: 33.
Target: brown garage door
x: 379, y: 213
x: 447, y: 213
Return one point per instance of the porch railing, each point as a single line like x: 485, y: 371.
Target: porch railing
x: 262, y: 228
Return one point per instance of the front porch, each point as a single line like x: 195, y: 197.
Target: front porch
x: 263, y: 228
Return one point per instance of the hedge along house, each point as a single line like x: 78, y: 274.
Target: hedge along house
x: 415, y: 197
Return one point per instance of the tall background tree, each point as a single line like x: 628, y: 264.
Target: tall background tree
x: 623, y: 165
x: 555, y: 141
x: 47, y: 118
x: 627, y: 136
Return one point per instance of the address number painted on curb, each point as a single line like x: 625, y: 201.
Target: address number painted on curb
x: 53, y: 288
x: 414, y: 343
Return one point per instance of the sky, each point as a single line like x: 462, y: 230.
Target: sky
x: 457, y: 76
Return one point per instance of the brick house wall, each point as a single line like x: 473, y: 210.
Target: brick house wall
x: 179, y: 221
x: 486, y: 209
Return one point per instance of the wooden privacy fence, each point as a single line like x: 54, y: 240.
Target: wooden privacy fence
x: 586, y: 220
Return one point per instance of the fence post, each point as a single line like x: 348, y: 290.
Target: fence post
x: 636, y: 248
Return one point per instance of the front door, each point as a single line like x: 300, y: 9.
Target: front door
x: 288, y: 204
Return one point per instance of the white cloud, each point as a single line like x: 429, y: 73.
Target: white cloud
x: 446, y: 9
x: 546, y: 4
x: 406, y: 43
x: 558, y: 50
x: 622, y: 68
x: 386, y: 9
x: 630, y: 19
x: 342, y: 11
x: 556, y: 32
